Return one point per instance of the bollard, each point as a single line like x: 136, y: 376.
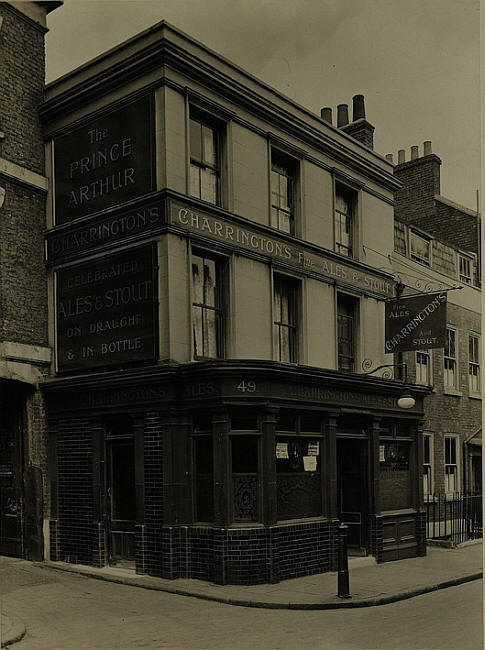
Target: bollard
x: 343, y: 565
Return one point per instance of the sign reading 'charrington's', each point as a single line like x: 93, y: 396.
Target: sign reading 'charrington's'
x: 106, y: 311
x: 416, y: 323
x: 106, y: 162
x: 279, y: 248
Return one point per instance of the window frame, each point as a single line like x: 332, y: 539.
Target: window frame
x: 207, y: 121
x: 474, y: 364
x: 288, y: 167
x: 466, y: 279
x: 343, y: 189
x: 429, y: 465
x: 426, y: 353
x: 449, y: 464
x: 294, y: 314
x: 449, y: 358
x: 423, y: 238
x: 222, y: 270
x: 355, y: 329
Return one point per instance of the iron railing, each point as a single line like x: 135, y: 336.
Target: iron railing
x: 455, y: 517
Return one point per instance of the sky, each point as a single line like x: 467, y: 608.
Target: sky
x: 417, y: 62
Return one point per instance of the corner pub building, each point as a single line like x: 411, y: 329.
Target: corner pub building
x: 214, y: 255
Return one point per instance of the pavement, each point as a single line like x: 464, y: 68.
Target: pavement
x: 371, y: 584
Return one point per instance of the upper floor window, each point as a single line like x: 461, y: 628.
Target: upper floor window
x: 285, y: 318
x: 474, y: 363
x: 466, y: 266
x: 207, y: 306
x: 345, y: 204
x: 423, y: 367
x: 450, y: 359
x: 205, y: 170
x: 283, y: 191
x: 420, y: 249
x: 346, y: 331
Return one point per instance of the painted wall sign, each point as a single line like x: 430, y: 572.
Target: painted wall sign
x: 416, y: 323
x: 279, y: 248
x: 105, y: 162
x: 109, y: 229
x: 106, y: 311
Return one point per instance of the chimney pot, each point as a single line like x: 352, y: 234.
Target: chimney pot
x: 389, y: 157
x: 427, y: 148
x: 342, y: 115
x: 358, y: 110
x: 401, y: 156
x: 326, y: 114
x: 414, y: 152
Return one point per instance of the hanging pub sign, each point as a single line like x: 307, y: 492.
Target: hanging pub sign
x: 416, y: 322
x: 106, y: 311
x: 105, y: 162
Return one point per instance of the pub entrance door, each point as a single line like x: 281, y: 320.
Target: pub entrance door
x: 11, y: 476
x: 352, y: 492
x: 121, y: 502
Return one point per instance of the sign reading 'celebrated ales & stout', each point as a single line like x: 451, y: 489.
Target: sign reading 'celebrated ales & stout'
x: 106, y: 162
x: 106, y: 311
x: 416, y: 322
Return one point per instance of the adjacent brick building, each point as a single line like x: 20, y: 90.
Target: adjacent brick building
x: 24, y: 349
x: 214, y: 262
x: 437, y: 246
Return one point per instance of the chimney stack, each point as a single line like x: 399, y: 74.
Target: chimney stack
x: 358, y: 108
x: 414, y: 152
x: 342, y: 115
x: 390, y: 157
x: 401, y: 156
x: 326, y: 114
x: 427, y: 148
x: 360, y: 129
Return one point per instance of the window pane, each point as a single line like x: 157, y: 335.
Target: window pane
x: 285, y: 349
x: 194, y: 181
x: 195, y: 140
x: 208, y: 185
x: 198, y: 279
x: 209, y: 283
x: 197, y: 331
x: 209, y: 142
x: 244, y: 454
x: 210, y: 333
x: 284, y: 222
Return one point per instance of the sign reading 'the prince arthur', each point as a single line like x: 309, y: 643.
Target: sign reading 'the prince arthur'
x: 416, y: 322
x: 105, y: 162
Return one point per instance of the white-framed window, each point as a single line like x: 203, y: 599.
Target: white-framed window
x: 286, y: 293
x: 419, y: 248
x: 427, y: 465
x: 450, y: 359
x: 474, y: 362
x: 451, y: 464
x: 423, y: 367
x: 208, y: 305
x: 284, y: 176
x: 466, y: 268
x: 347, y: 321
x: 344, y: 220
x: 205, y: 136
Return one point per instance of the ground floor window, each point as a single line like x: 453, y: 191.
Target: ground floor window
x: 395, y: 476
x: 451, y: 466
x: 298, y: 477
x: 427, y: 466
x: 245, y: 477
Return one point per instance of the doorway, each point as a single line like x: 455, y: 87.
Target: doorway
x: 353, y: 492
x: 121, y: 501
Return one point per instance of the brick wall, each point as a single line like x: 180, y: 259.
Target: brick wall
x: 22, y: 67
x: 421, y: 182
x: 75, y: 480
x: 153, y: 469
x: 445, y: 413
